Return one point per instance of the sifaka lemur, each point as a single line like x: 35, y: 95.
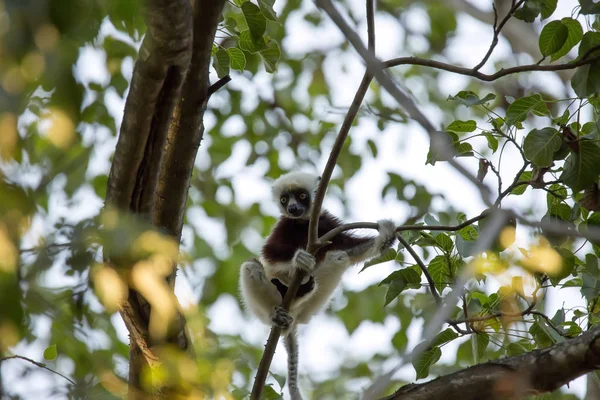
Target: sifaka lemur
x: 264, y: 283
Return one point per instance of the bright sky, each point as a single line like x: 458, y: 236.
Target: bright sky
x: 325, y: 343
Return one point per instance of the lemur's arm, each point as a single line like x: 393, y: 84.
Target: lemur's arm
x: 375, y: 246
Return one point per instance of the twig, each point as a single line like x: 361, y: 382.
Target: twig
x: 375, y: 67
x: 38, y: 364
x: 45, y: 247
x: 448, y: 228
x: 497, y: 314
x: 421, y: 264
x: 497, y: 30
x: 487, y: 77
x: 550, y: 323
x: 372, y: 225
x: 218, y: 85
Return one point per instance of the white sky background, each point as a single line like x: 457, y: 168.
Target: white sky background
x: 325, y: 343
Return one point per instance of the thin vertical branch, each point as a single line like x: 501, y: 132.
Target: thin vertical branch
x: 313, y: 242
x: 497, y: 29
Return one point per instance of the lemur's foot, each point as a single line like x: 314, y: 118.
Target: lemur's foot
x: 387, y: 234
x: 304, y: 261
x: 281, y: 318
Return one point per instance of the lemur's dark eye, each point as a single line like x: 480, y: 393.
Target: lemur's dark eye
x: 302, y: 196
x: 283, y: 200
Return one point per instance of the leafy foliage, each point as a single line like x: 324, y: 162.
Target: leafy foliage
x: 59, y: 128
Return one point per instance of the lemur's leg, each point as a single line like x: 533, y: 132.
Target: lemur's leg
x: 374, y: 247
x: 327, y: 277
x: 260, y: 295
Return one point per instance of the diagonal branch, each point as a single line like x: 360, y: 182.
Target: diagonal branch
x: 497, y: 29
x: 38, y: 364
x: 535, y: 372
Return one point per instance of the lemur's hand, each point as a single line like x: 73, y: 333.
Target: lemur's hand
x: 387, y: 234
x: 304, y: 261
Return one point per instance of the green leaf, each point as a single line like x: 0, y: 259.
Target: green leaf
x: 271, y: 56
x: 279, y: 378
x: 387, y: 255
x: 469, y: 98
x: 372, y: 147
x: 257, y: 23
x: 462, y: 126
x: 444, y: 242
x: 464, y: 149
x: 439, y: 271
x: 492, y: 141
x: 567, y: 265
x: 318, y: 84
x: 425, y: 360
x: 400, y: 280
x: 529, y: 11
x: 586, y: 80
x: 581, y: 169
x: 481, y: 343
x: 553, y: 37
x: 589, y: 7
x: 445, y: 336
x: 237, y: 59
x: 589, y: 41
x: 524, y: 177
x: 271, y: 394
x: 50, y: 353
x: 250, y: 45
x: 540, y: 336
x: 540, y: 146
x: 574, y: 37
x: 561, y: 211
x: 548, y: 8
x: 519, y: 109
x: 266, y: 6
x: 221, y: 62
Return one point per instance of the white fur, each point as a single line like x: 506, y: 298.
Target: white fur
x: 295, y: 180
x: 261, y: 296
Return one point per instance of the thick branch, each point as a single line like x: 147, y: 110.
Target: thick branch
x: 155, y: 86
x: 186, y: 130
x: 536, y: 372
x: 166, y: 45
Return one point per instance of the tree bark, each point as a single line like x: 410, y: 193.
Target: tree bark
x: 158, y: 142
x: 532, y: 373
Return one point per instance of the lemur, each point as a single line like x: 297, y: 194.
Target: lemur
x: 264, y: 283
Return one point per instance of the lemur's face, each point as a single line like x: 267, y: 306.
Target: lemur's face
x: 295, y: 203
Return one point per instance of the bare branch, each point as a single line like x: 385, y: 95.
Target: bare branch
x: 421, y: 264
x: 375, y: 68
x: 218, y: 85
x: 38, y: 364
x: 497, y: 30
x: 395, y: 62
x: 447, y: 228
